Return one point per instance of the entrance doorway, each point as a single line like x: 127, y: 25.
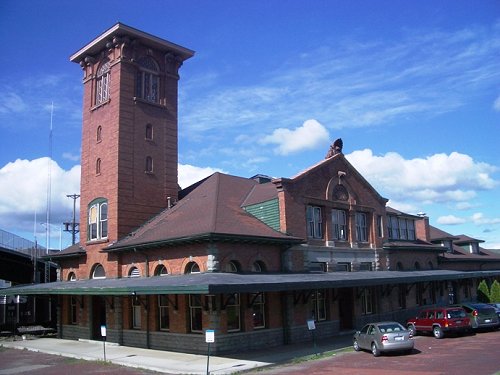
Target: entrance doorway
x: 98, y: 316
x: 346, y: 308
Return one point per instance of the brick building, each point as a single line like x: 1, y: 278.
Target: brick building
x: 254, y: 259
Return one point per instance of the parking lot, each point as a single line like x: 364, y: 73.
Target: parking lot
x: 472, y: 354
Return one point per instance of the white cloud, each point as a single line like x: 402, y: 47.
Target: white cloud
x: 437, y: 178
x: 308, y: 136
x: 12, y: 103
x: 479, y: 219
x: 23, y: 193
x: 496, y: 104
x: 450, y: 220
x: 189, y: 174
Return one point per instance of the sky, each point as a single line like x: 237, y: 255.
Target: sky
x: 411, y: 87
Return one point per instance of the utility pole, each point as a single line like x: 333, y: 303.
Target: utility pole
x: 73, y: 226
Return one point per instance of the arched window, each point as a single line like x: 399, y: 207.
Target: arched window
x: 192, y: 267
x: 149, y: 132
x: 258, y: 266
x: 233, y: 267
x: 134, y: 272
x: 98, y: 272
x: 98, y: 166
x: 102, y: 83
x: 148, y: 80
x: 161, y: 270
x: 417, y: 266
x: 97, y: 219
x: 431, y: 266
x: 99, y: 134
x: 71, y: 276
x: 399, y: 266
x: 149, y: 164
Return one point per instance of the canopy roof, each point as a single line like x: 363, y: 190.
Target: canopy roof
x: 216, y: 283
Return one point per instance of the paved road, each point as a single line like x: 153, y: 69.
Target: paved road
x: 474, y: 354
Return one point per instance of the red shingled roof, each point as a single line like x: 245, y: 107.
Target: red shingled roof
x: 213, y: 207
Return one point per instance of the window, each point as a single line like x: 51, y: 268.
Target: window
x: 233, y: 312
x: 402, y: 292
x: 97, y: 220
x: 232, y: 267
x: 134, y: 272
x: 401, y: 228
x: 366, y: 266
x: 195, y: 312
x: 73, y: 310
x: 98, y: 272
x: 192, y: 267
x: 161, y: 270
x: 149, y: 132
x: 98, y: 166
x: 361, y: 227
x: 99, y: 134
x: 258, y: 310
x: 314, y: 222
x: 258, y: 266
x: 163, y: 315
x: 136, y: 313
x: 102, y: 84
x: 339, y: 222
x: 380, y: 226
x: 149, y: 164
x: 148, y: 81
x: 318, y: 305
x: 72, y: 276
x: 344, y: 266
x: 367, y: 301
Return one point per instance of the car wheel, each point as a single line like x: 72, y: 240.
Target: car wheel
x: 355, y: 345
x: 412, y: 329
x: 437, y: 332
x: 375, y: 350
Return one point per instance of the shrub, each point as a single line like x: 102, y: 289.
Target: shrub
x: 495, y: 292
x: 483, y: 293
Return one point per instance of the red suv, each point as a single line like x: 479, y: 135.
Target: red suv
x: 439, y: 320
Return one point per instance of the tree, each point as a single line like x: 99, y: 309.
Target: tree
x: 495, y: 292
x: 483, y: 293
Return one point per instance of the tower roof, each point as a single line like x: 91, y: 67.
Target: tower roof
x: 122, y: 30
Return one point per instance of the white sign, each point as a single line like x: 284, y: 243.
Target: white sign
x: 311, y: 325
x: 103, y: 331
x: 209, y: 335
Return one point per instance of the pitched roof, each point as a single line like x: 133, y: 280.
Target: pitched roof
x: 214, y: 207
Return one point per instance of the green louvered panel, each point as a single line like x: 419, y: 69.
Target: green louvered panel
x: 267, y: 212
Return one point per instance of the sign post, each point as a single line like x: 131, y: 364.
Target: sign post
x: 312, y: 327
x: 209, y: 338
x: 103, y: 334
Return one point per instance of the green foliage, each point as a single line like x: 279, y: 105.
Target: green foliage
x: 483, y: 293
x: 495, y: 292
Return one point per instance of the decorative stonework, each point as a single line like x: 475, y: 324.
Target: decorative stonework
x: 340, y: 193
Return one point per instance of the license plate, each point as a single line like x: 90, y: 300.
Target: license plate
x: 458, y: 321
x: 399, y: 338
x: 487, y: 320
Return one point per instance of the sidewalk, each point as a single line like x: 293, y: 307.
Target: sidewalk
x: 173, y: 362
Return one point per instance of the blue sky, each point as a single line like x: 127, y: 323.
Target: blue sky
x: 412, y: 88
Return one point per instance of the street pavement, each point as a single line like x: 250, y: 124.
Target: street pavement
x: 173, y: 362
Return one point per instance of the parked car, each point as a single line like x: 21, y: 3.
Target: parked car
x: 439, y: 321
x: 383, y: 337
x: 481, y: 315
x: 496, y: 306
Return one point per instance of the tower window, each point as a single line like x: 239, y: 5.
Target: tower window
x: 148, y: 80
x: 98, y: 166
x: 149, y: 132
x: 98, y: 220
x: 99, y: 134
x: 149, y: 164
x: 102, y: 84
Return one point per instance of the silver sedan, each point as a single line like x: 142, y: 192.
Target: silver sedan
x: 383, y: 337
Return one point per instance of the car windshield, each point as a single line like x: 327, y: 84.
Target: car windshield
x: 456, y: 314
x: 391, y: 327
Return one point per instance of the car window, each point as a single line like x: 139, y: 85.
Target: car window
x: 440, y: 315
x: 371, y: 330
x: 430, y: 315
x: 452, y: 314
x: 422, y: 315
x: 364, y: 329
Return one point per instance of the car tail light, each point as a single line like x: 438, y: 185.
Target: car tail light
x: 384, y: 338
x: 474, y: 313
